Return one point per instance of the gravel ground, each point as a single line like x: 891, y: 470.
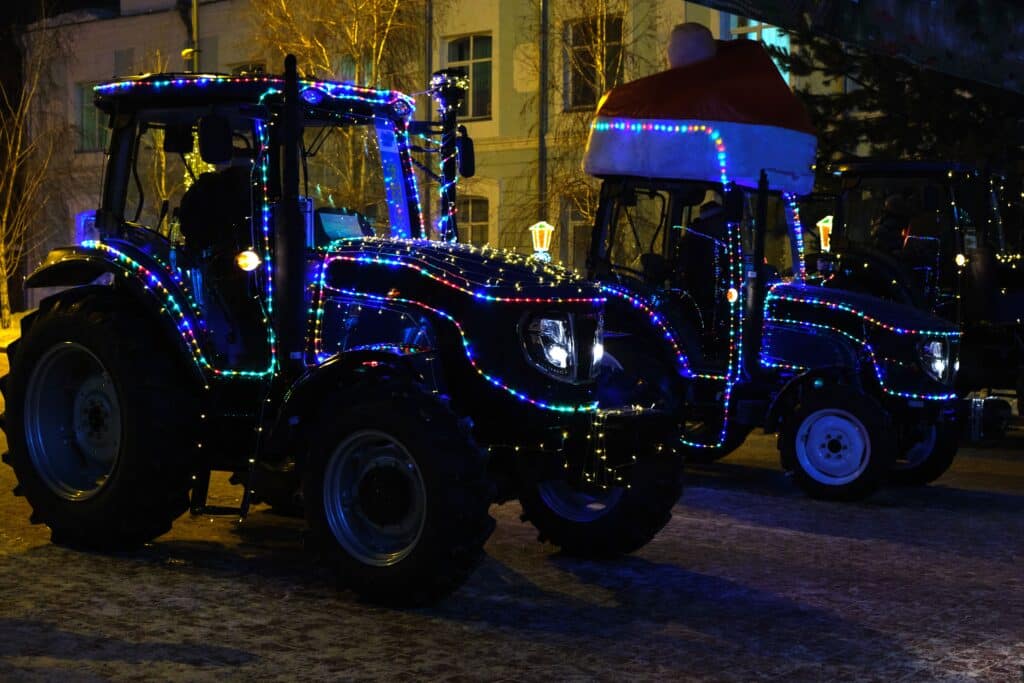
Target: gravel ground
x: 750, y: 581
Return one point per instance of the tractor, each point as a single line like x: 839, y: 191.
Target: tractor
x: 930, y: 235
x: 699, y: 165
x: 261, y: 298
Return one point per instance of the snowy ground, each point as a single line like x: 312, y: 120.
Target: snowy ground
x: 750, y: 581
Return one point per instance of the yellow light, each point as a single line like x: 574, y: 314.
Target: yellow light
x: 825, y: 233
x: 541, y: 234
x: 732, y: 296
x: 961, y: 260
x: 248, y: 260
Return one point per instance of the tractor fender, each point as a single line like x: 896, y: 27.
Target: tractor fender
x: 789, y: 395
x: 79, y: 266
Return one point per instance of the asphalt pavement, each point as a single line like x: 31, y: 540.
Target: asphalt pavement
x: 750, y: 581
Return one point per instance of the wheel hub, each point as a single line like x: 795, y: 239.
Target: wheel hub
x: 72, y: 421
x: 375, y: 498
x: 833, y: 446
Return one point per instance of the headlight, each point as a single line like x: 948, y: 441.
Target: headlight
x: 935, y: 359
x: 550, y: 345
x: 557, y: 344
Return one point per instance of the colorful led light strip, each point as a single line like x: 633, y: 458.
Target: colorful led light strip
x: 395, y: 260
x: 811, y: 300
x: 876, y: 366
x: 332, y: 89
x: 796, y: 229
x: 495, y: 381
x: 152, y: 282
x: 638, y: 303
x: 634, y: 127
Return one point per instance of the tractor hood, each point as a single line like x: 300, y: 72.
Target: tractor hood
x: 784, y: 297
x: 482, y: 274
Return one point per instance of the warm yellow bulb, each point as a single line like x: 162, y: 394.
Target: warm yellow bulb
x: 732, y: 296
x: 248, y: 260
x: 961, y: 260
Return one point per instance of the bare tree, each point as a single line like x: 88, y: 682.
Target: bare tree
x: 594, y: 46
x: 376, y: 43
x: 30, y: 135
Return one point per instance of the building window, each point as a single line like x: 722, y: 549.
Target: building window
x: 92, y: 125
x: 740, y: 27
x: 578, y: 230
x: 471, y: 57
x: 593, y: 60
x: 472, y: 220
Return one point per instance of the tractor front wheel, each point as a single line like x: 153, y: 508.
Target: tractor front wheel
x: 837, y: 444
x: 928, y: 457
x: 604, y: 523
x: 396, y: 494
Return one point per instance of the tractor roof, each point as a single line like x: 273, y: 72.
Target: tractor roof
x: 724, y: 119
x: 180, y: 90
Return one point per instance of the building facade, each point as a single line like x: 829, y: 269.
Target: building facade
x: 535, y: 78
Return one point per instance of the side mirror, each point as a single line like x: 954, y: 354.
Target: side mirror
x: 215, y: 139
x: 466, y: 152
x: 178, y: 139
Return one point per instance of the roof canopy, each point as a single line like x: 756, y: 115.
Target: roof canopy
x: 722, y: 119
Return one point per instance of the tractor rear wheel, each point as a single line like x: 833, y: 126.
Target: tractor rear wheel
x: 396, y: 493
x: 100, y: 422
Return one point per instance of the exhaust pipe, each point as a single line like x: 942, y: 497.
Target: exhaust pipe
x: 289, y: 234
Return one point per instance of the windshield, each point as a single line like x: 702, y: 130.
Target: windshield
x: 879, y: 212
x: 354, y: 180
x: 977, y: 206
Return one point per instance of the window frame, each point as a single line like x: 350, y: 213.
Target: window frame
x: 100, y: 130
x: 569, y: 60
x: 467, y: 64
x: 466, y: 225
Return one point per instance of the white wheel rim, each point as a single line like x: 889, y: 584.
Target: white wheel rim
x: 833, y: 447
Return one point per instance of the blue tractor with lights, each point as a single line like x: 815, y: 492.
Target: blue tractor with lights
x: 697, y: 243
x: 930, y: 235
x: 236, y: 313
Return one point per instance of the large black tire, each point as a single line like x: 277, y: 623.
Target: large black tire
x: 100, y: 421
x: 608, y: 523
x: 837, y: 443
x: 925, y: 461
x: 415, y: 483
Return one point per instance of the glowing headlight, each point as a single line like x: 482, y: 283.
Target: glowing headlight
x: 935, y: 358
x: 248, y: 260
x: 550, y: 345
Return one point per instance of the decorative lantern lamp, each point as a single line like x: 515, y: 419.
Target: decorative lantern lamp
x: 541, y: 234
x: 825, y: 232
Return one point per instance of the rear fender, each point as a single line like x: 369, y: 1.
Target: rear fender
x: 146, y: 281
